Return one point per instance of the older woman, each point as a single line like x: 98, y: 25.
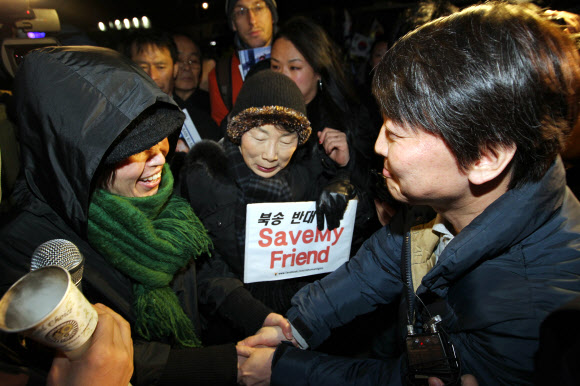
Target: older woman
x: 252, y: 164
x: 96, y: 134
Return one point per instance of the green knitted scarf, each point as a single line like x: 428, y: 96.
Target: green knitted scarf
x: 149, y: 239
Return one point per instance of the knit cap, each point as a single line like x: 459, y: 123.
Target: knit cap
x: 230, y: 4
x: 148, y: 129
x: 269, y: 98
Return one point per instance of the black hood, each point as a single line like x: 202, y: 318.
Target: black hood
x: 72, y: 103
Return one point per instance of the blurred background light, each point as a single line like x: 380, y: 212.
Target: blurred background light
x: 36, y: 35
x: 145, y: 21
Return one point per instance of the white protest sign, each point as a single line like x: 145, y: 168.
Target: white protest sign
x: 189, y: 131
x: 283, y: 242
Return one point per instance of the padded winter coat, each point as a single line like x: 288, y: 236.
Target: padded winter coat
x: 493, y: 285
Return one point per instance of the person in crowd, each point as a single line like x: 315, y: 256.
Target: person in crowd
x: 253, y: 23
x: 343, y: 138
x: 490, y: 241
x: 96, y: 134
x: 413, y: 17
x: 251, y: 165
x: 187, y: 92
x: 157, y: 54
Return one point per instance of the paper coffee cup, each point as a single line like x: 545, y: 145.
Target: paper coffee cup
x: 46, y: 306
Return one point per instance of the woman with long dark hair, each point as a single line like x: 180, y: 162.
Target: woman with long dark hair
x: 342, y: 143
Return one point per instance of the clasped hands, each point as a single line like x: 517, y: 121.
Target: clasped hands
x: 255, y: 353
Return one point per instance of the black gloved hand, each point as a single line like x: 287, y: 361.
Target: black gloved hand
x: 332, y: 203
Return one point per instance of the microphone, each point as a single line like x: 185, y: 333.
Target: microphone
x: 61, y: 253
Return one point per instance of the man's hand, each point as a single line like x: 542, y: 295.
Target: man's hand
x: 257, y: 368
x: 335, y: 145
x: 274, y: 319
x: 108, y: 360
x: 269, y: 336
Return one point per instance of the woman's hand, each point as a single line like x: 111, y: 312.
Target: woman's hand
x: 335, y: 145
x: 108, y: 360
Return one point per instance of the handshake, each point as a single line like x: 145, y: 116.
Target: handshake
x: 256, y: 352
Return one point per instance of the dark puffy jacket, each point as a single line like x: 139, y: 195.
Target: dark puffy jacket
x: 493, y: 285
x: 208, y: 183
x: 72, y: 103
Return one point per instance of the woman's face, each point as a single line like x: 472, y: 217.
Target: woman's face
x: 140, y: 174
x: 267, y: 149
x: 286, y: 59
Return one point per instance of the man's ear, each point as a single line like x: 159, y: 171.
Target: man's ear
x: 492, y: 163
x: 175, y: 70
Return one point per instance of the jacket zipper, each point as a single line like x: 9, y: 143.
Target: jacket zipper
x: 409, y: 279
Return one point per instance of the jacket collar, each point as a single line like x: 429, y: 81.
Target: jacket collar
x: 503, y: 224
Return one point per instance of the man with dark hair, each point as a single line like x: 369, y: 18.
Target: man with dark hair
x: 477, y: 107
x: 253, y: 23
x: 157, y: 54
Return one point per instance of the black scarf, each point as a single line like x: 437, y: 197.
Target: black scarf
x: 253, y: 189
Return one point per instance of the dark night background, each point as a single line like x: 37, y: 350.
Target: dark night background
x: 82, y: 16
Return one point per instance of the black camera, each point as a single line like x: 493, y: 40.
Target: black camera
x: 431, y: 354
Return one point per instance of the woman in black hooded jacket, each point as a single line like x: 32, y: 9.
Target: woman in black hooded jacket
x: 84, y: 114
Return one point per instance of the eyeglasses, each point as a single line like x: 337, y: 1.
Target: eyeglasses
x: 189, y: 62
x: 257, y: 10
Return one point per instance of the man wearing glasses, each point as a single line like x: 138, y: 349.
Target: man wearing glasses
x: 186, y: 91
x: 253, y: 23
x: 189, y: 74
